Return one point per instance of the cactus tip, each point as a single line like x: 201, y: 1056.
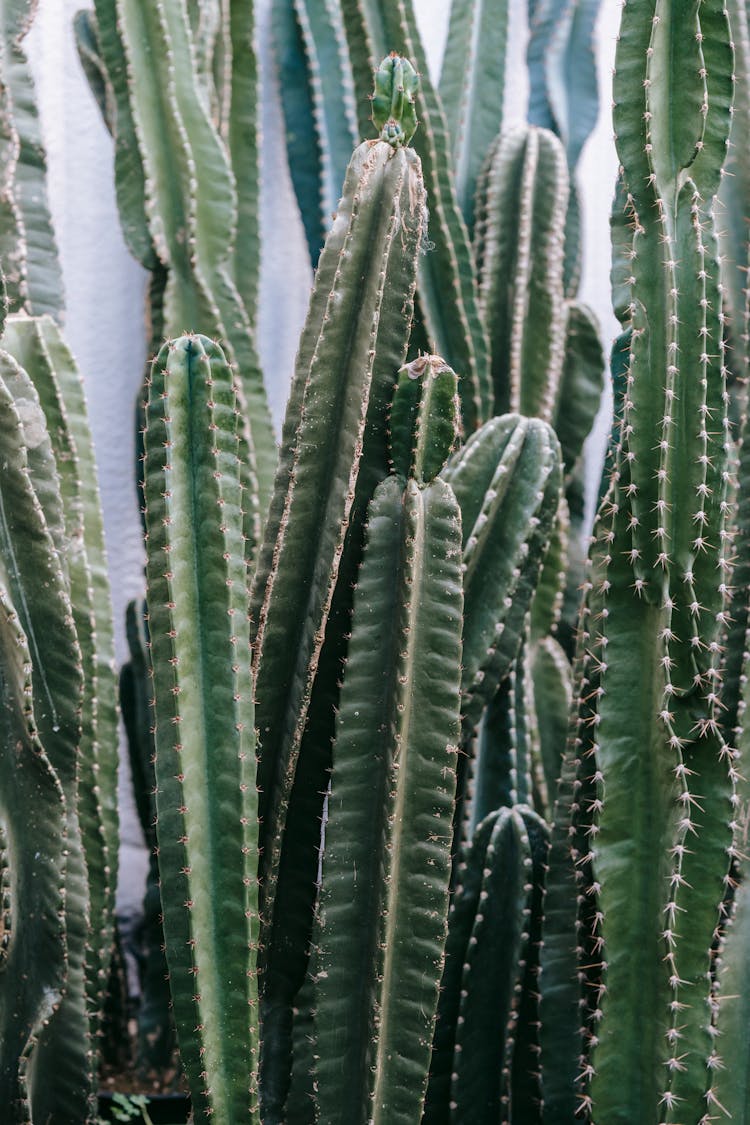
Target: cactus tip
x: 394, y: 111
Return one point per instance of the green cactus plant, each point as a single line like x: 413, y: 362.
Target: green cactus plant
x: 386, y: 875
x: 655, y: 609
x: 204, y: 720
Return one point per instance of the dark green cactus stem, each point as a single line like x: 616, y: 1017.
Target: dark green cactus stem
x: 205, y: 739
x: 394, y: 112
x: 522, y: 201
x: 156, y: 1033
x: 333, y: 453
x: 388, y: 837
x: 733, y: 1077
x: 39, y: 287
x: 564, y: 95
x: 483, y: 1064
x: 36, y: 343
x: 424, y: 418
x: 317, y: 98
x: 60, y: 1082
x: 33, y: 817
x: 186, y: 192
x: 507, y: 480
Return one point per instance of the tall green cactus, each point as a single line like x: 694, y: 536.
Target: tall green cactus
x: 447, y: 282
x: 388, y: 835
x: 197, y: 523
x: 656, y: 783
x: 27, y: 242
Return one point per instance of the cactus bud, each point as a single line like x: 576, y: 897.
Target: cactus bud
x: 425, y: 417
x: 394, y: 111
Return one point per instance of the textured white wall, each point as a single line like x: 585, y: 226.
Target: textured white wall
x: 106, y: 290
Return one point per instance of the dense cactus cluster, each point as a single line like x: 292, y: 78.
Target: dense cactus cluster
x: 428, y: 847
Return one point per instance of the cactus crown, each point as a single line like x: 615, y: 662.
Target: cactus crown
x: 394, y: 111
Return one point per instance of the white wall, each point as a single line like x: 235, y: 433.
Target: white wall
x: 105, y: 288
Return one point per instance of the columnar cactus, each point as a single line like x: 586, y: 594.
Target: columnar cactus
x: 333, y: 453
x: 187, y: 183
x: 388, y: 836
x: 27, y: 242
x: 447, y: 299
x: 317, y: 96
x: 652, y: 808
x: 198, y: 525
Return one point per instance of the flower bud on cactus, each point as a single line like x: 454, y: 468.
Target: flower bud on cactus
x: 394, y: 111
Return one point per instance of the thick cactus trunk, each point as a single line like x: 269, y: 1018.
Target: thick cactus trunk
x: 205, y: 738
x: 654, y: 795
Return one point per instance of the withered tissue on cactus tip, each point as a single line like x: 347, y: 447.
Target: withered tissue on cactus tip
x: 394, y: 111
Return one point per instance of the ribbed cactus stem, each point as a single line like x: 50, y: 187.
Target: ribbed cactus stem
x: 657, y: 808
x: 32, y: 807
x: 447, y: 298
x: 507, y: 480
x: 387, y: 853
x: 425, y: 418
x: 333, y: 454
x: 205, y: 739
x: 522, y: 201
x: 32, y: 570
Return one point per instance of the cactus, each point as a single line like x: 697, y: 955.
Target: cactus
x: 59, y: 1076
x: 472, y: 90
x: 27, y: 243
x: 180, y: 205
x: 563, y: 95
x: 484, y: 1063
x: 656, y: 604
x: 36, y: 344
x: 522, y: 201
x: 333, y: 453
x: 197, y: 602
x: 507, y: 481
x: 156, y: 1033
x: 388, y: 837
